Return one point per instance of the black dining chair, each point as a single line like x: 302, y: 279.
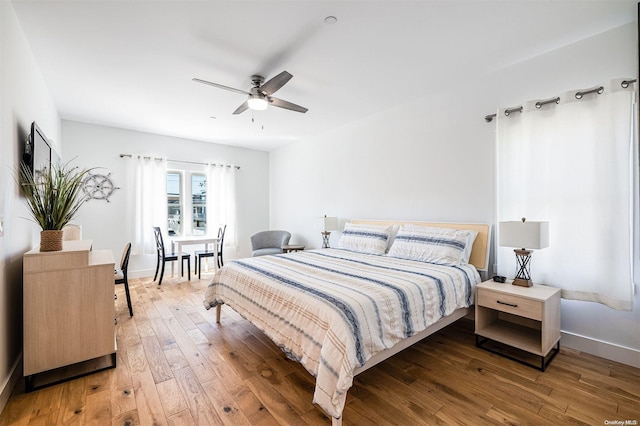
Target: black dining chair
x: 199, y: 254
x: 121, y: 275
x: 164, y: 257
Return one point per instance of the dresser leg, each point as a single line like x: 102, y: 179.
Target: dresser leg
x: 28, y: 384
x: 30, y: 381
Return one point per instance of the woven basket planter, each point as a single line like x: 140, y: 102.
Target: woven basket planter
x: 51, y: 240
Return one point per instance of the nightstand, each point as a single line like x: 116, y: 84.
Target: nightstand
x: 526, y: 318
x: 291, y: 248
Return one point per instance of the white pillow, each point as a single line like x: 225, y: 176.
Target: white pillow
x: 392, y: 236
x: 363, y: 238
x: 467, y: 250
x: 469, y: 245
x: 443, y: 246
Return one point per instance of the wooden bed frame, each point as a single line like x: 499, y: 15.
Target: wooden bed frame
x: 479, y: 258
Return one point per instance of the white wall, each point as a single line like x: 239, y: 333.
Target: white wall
x: 433, y: 159
x: 387, y: 166
x: 24, y: 97
x: 403, y: 163
x: 89, y: 145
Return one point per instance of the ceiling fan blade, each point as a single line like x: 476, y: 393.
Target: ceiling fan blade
x: 273, y: 85
x: 242, y: 108
x: 286, y: 105
x: 220, y: 86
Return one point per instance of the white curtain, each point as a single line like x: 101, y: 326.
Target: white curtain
x: 147, y: 201
x: 572, y: 164
x: 221, y: 201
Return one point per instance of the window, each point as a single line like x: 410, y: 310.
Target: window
x: 199, y: 203
x: 190, y: 192
x: 196, y: 200
x: 174, y: 203
x: 187, y: 215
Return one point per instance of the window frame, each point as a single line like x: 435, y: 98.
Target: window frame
x: 186, y: 204
x: 180, y: 204
x: 202, y: 205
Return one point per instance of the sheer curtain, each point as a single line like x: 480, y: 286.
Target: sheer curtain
x: 221, y: 201
x: 572, y: 164
x: 147, y: 201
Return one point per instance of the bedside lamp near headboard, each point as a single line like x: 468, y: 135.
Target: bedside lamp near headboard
x: 330, y: 224
x: 524, y: 236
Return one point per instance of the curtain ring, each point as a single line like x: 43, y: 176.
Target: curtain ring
x: 626, y: 83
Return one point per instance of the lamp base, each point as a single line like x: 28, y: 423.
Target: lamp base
x: 325, y: 238
x: 522, y: 283
x: 523, y: 276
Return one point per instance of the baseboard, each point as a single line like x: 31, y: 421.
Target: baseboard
x: 622, y: 354
x: 142, y: 273
x: 148, y: 273
x: 9, y: 386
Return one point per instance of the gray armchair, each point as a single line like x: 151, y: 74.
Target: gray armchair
x: 269, y: 242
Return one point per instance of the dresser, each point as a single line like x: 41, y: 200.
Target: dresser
x: 69, y: 313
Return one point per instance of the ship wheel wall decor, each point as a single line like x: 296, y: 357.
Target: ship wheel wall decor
x: 98, y: 186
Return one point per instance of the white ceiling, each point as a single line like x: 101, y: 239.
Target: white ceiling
x: 129, y: 64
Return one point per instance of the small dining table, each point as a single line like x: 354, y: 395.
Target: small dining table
x: 178, y: 242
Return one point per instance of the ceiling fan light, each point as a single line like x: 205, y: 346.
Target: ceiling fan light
x: 257, y: 103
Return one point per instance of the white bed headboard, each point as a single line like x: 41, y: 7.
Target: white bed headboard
x: 480, y: 250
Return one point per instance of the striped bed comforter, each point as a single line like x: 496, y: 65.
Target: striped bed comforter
x: 331, y: 310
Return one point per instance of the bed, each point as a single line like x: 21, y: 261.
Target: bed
x: 341, y: 311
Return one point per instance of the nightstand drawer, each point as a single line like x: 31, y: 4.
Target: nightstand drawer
x: 511, y: 304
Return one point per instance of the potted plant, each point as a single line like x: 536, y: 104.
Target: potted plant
x: 53, y: 197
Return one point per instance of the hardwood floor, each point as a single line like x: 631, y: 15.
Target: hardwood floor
x: 176, y: 366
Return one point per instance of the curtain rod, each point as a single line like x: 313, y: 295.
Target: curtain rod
x: 599, y: 90
x: 182, y: 161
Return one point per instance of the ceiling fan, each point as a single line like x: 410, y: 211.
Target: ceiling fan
x: 260, y: 94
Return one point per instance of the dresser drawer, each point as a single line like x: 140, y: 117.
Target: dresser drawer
x: 512, y: 304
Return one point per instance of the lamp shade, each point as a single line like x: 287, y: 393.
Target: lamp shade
x: 330, y: 223
x: 524, y: 234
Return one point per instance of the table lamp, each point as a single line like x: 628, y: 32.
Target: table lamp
x: 525, y: 236
x: 330, y: 224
